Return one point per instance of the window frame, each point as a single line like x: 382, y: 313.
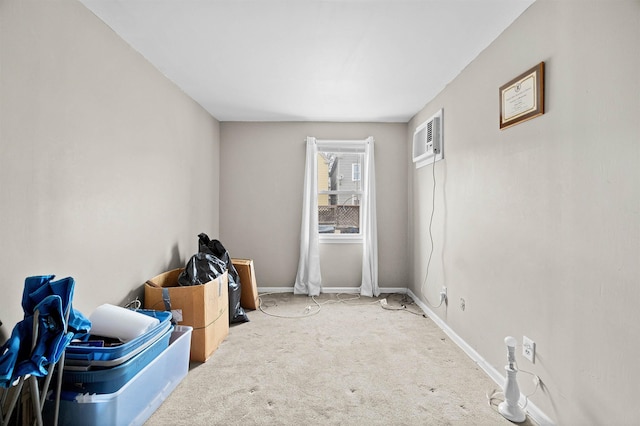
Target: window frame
x: 344, y: 146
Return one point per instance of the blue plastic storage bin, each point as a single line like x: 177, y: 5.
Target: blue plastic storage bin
x: 109, y: 380
x: 93, y: 357
x: 138, y: 399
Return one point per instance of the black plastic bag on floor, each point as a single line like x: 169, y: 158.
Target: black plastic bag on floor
x: 201, y: 269
x: 216, y: 249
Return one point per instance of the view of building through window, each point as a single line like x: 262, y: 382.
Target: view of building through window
x: 339, y: 192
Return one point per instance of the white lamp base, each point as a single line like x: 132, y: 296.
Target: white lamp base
x: 509, y: 408
x: 514, y: 414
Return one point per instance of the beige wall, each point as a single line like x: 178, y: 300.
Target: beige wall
x: 261, y: 183
x: 107, y: 171
x: 537, y: 227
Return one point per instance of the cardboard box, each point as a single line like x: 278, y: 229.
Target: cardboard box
x: 204, y: 307
x: 248, y: 286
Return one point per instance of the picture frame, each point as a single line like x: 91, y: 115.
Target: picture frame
x: 522, y: 98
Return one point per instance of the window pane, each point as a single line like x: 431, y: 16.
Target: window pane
x: 355, y: 171
x: 339, y: 192
x: 339, y: 219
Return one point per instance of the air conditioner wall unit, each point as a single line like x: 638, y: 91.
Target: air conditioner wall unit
x: 428, y: 141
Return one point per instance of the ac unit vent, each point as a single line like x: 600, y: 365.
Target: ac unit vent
x: 427, y: 141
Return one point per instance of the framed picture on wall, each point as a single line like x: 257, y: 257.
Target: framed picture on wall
x: 522, y: 98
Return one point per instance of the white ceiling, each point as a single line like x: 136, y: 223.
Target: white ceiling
x: 310, y: 60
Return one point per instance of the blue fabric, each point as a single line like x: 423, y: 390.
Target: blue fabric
x: 11, y: 351
x: 38, y: 287
x: 24, y: 353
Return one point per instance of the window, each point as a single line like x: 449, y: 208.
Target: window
x: 355, y: 171
x: 326, y: 197
x: 339, y: 190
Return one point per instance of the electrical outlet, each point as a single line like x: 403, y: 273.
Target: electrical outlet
x: 529, y: 349
x: 443, y: 295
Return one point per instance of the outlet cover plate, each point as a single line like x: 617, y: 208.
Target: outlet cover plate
x: 529, y: 349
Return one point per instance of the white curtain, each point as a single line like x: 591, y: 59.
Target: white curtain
x: 308, y: 278
x: 369, y: 227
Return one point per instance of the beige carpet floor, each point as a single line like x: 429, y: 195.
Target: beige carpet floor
x: 335, y: 360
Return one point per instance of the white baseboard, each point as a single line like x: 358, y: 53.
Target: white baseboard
x: 262, y: 290
x: 532, y: 410
x: 346, y: 290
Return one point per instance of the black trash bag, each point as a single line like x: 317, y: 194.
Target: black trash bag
x: 216, y: 249
x: 201, y: 268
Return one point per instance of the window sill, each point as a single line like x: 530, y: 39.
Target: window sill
x: 340, y: 239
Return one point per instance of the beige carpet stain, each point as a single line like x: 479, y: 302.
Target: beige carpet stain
x: 335, y: 360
